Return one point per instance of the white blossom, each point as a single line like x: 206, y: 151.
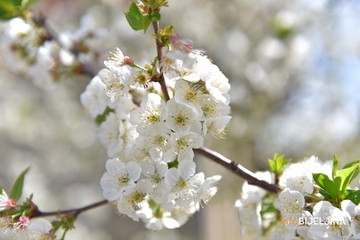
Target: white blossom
x: 94, y: 98
x: 134, y: 199
x: 118, y: 178
x: 152, y: 111
x: 182, y: 118
x: 158, y: 143
x: 183, y: 182
x: 156, y: 175
x: 110, y: 135
x: 39, y: 229
x: 298, y: 176
x: 290, y: 203
x: 334, y: 222
x: 353, y: 213
x: 184, y: 144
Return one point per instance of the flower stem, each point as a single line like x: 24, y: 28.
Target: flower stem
x: 237, y: 169
x: 159, y: 56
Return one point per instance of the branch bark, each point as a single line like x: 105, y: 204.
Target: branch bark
x: 74, y: 212
x: 159, y: 46
x: 237, y: 169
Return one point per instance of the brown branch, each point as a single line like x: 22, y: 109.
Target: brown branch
x: 237, y: 169
x: 74, y: 212
x: 159, y: 46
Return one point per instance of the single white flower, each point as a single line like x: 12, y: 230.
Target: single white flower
x: 115, y: 59
x: 353, y: 213
x: 199, y: 70
x: 208, y: 189
x: 156, y: 175
x: 290, y: 203
x: 43, y: 72
x: 213, y: 109
x: 216, y: 126
x: 6, y: 202
x: 184, y: 144
x: 118, y: 178
x: 218, y: 85
x: 249, y: 216
x: 40, y: 229
x: 134, y: 199
x: 183, y: 182
x: 334, y: 222
x: 189, y: 94
x: 158, y: 144
x: 94, y: 98
x: 110, y: 135
x: 298, y: 176
x: 152, y: 111
x: 115, y: 81
x: 182, y: 118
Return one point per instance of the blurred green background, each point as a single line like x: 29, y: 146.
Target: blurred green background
x: 294, y: 69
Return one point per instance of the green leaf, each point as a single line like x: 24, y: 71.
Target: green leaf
x: 136, y: 20
x: 7, y: 10
x: 335, y: 166
x: 350, y: 164
x: 347, y: 175
x: 17, y: 188
x: 353, y: 195
x: 325, y: 194
x: 278, y: 164
x: 155, y: 16
x: 325, y: 183
x: 356, y: 173
x: 16, y: 3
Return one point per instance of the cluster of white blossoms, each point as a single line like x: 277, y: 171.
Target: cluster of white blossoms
x: 22, y: 227
x: 31, y: 50
x: 152, y: 174
x: 297, y: 219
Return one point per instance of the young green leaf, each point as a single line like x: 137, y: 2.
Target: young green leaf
x: 7, y: 10
x: 357, y: 171
x: 17, y: 188
x: 136, y: 20
x: 155, y: 16
x: 326, y: 184
x: 16, y: 3
x: 353, y: 195
x: 347, y: 175
x: 335, y: 166
x: 278, y: 164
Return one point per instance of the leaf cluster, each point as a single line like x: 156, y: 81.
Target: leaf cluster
x: 141, y: 16
x: 336, y: 189
x: 278, y: 164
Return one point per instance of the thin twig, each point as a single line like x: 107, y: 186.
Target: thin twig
x: 159, y: 56
x: 237, y: 169
x: 74, y: 212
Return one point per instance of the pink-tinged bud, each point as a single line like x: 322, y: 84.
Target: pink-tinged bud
x: 127, y: 61
x: 11, y: 203
x: 181, y: 44
x: 23, y: 222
